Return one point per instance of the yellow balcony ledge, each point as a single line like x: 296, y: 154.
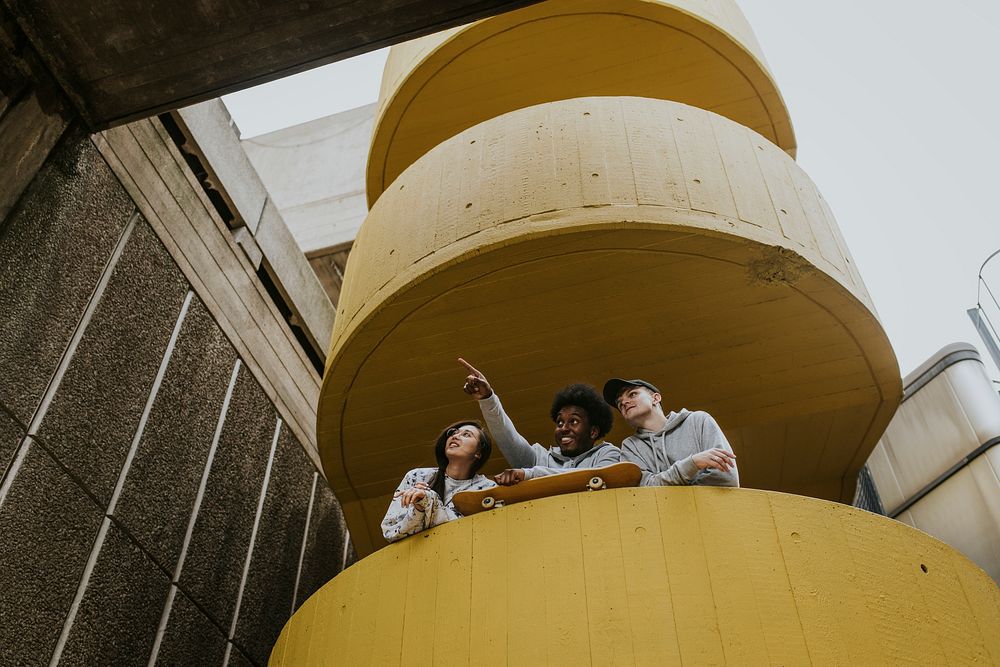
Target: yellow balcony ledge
x: 655, y: 577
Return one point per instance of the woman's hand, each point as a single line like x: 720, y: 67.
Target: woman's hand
x: 417, y: 492
x: 509, y: 477
x: 720, y: 459
x: 475, y: 382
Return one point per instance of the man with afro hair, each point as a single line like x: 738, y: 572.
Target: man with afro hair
x: 581, y: 419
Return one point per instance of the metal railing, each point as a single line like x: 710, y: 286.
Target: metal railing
x: 980, y: 315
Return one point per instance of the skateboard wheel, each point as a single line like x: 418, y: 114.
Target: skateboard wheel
x: 595, y: 483
x: 489, y: 502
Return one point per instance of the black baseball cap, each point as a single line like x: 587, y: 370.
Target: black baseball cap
x: 614, y: 386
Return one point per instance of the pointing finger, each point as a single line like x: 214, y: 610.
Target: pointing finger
x: 470, y: 367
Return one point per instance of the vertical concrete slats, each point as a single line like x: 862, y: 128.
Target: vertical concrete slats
x: 491, y: 596
x: 732, y: 584
x: 739, y: 149
x: 305, y: 537
x: 608, y: 612
x: 826, y: 240
x: 418, y: 606
x: 692, y: 593
x: 116, y: 494
x: 808, y: 545
x: 179, y: 566
x: 647, y: 582
x: 209, y: 259
x: 563, y: 584
x: 527, y: 638
x: 659, y: 178
x: 389, y: 597
x: 734, y: 575
x: 704, y: 173
x: 67, y: 356
x: 452, y: 620
x: 253, y: 540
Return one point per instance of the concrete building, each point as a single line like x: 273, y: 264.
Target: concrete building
x: 936, y: 467
x: 579, y: 190
x: 161, y: 335
x: 195, y: 437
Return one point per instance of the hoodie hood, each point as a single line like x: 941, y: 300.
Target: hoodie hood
x: 674, y: 419
x: 557, y: 454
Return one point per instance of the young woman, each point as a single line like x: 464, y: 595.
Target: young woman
x: 423, y: 498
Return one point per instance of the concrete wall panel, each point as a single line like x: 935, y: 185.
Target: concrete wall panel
x: 214, y: 564
x: 11, y: 434
x: 190, y: 638
x: 98, y: 324
x: 325, y: 548
x: 53, y: 248
x: 163, y: 482
x: 120, y: 611
x: 96, y: 410
x: 270, y: 586
x: 48, y: 525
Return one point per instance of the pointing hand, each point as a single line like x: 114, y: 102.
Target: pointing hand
x: 475, y: 382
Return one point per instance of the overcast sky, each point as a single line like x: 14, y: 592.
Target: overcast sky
x: 896, y: 110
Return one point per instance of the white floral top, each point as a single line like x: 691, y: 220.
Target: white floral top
x: 430, y: 511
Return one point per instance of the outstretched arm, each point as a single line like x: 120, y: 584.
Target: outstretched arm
x: 515, y: 447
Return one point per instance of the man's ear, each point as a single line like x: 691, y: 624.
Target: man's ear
x: 657, y: 399
x: 593, y: 432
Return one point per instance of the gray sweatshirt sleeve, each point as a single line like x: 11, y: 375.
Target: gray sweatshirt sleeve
x: 712, y: 437
x: 606, y: 455
x: 686, y: 472
x: 681, y: 473
x: 518, y: 452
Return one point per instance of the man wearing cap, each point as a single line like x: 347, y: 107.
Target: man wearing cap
x: 680, y: 448
x: 581, y: 419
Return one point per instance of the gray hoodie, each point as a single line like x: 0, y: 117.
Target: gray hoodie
x: 665, y: 456
x: 538, y: 461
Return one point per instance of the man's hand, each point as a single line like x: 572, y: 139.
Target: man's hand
x: 717, y: 458
x: 475, y: 382
x: 413, y: 494
x: 509, y: 477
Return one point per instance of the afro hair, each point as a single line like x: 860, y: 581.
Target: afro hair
x: 590, y: 401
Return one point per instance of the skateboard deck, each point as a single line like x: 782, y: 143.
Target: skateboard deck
x: 581, y: 479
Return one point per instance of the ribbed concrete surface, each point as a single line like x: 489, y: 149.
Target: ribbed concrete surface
x: 699, y: 52
x: 655, y: 576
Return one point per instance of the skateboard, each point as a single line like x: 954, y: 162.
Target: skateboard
x: 572, y: 481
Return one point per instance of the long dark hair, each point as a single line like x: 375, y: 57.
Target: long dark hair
x: 485, y: 447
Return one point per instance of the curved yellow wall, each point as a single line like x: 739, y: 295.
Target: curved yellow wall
x: 599, y: 237
x: 655, y: 576
x: 699, y: 52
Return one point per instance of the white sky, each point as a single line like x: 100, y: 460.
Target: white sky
x: 896, y: 110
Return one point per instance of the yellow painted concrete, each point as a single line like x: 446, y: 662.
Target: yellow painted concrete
x: 599, y: 237
x: 699, y: 52
x: 654, y: 577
